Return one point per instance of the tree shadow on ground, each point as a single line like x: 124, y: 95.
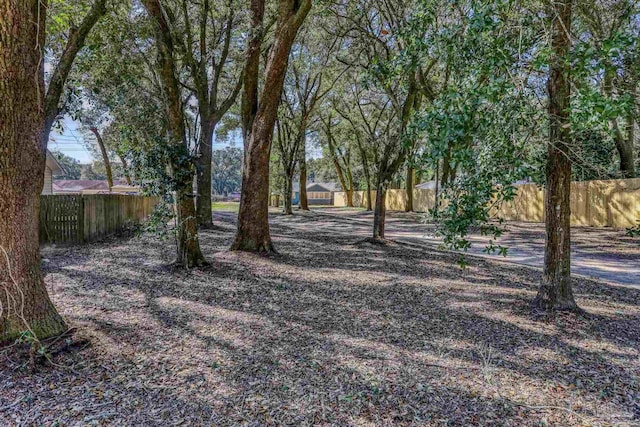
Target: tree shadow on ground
x: 329, y: 334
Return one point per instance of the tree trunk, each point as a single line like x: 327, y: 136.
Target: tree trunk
x: 75, y: 42
x: 259, y: 114
x: 369, y: 201
x: 189, y: 254
x: 346, y: 179
x: 288, y: 194
x: 349, y: 197
x: 125, y: 169
x: 446, y: 168
x: 350, y: 189
x: 188, y: 246
x: 253, y: 217
x: 203, y: 176
x: 631, y: 77
x: 555, y: 293
x: 380, y: 212
x: 410, y: 184
x: 105, y: 156
x: 303, y: 203
x: 341, y: 175
x: 624, y: 146
x: 626, y: 150
x: 627, y: 157
x: 24, y: 300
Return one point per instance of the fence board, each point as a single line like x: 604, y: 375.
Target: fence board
x: 613, y: 203
x: 77, y: 219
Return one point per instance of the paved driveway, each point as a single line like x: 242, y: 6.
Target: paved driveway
x: 601, y: 253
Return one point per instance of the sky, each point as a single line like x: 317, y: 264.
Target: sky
x: 70, y: 141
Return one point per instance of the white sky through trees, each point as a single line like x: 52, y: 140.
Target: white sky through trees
x: 68, y: 139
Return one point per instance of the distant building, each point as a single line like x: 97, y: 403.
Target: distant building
x: 318, y: 193
x: 52, y: 167
x: 86, y: 186
x: 429, y: 185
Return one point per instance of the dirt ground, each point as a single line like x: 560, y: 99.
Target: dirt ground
x: 331, y: 332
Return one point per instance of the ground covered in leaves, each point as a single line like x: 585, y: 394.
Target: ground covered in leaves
x: 331, y: 332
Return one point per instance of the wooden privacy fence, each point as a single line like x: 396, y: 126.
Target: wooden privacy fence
x: 85, y: 218
x: 614, y: 203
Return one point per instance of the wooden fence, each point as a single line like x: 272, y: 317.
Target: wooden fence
x: 614, y: 203
x: 78, y: 219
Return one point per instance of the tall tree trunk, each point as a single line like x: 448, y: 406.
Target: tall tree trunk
x: 631, y: 77
x: 188, y: 246
x: 344, y: 174
x: 555, y: 293
x: 303, y: 202
x: 379, y: 213
x: 25, y: 303
x: 203, y: 176
x: 253, y: 217
x: 367, y: 177
x: 105, y: 156
x: 446, y: 168
x: 410, y: 184
x: 288, y: 194
x: 369, y: 195
x: 259, y: 114
x: 341, y: 176
x: 350, y: 186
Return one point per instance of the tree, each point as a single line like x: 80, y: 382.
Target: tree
x: 188, y: 247
x: 27, y: 113
x: 555, y: 291
x: 611, y: 54
x: 374, y: 117
x: 374, y: 34
x: 302, y: 91
x: 365, y: 147
x: 259, y: 113
x: 288, y: 143
x: 206, y: 40
x: 226, y: 171
x: 71, y: 166
x: 340, y: 155
x: 75, y: 41
x: 105, y: 157
x: 110, y: 137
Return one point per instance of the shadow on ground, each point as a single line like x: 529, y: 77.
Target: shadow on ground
x: 330, y: 332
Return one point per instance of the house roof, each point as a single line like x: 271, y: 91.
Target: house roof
x: 79, y: 185
x: 54, y: 165
x: 429, y: 185
x: 326, y: 186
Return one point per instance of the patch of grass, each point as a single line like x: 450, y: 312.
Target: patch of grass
x: 338, y: 208
x: 225, y: 206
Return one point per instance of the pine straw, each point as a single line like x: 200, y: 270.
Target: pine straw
x: 330, y: 332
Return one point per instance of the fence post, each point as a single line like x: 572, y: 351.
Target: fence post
x: 80, y: 230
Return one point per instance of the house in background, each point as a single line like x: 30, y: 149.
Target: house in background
x: 428, y: 185
x: 52, y: 167
x: 87, y: 186
x: 318, y: 193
